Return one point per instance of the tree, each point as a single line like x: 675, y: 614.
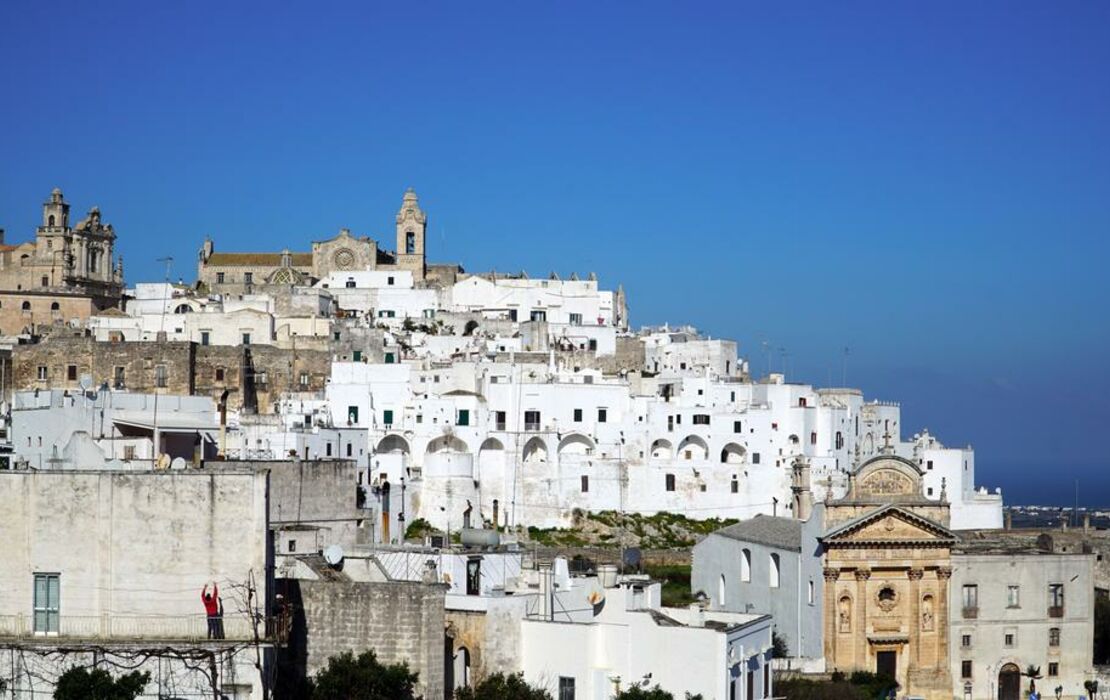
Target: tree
x: 779, y: 648
x: 362, y: 678
x: 1033, y: 673
x: 80, y: 683
x: 502, y: 687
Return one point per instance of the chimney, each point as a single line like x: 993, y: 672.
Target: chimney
x: 1086, y: 522
x: 1009, y: 517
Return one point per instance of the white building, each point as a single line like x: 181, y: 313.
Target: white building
x: 108, y: 567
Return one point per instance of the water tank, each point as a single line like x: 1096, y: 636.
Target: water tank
x: 607, y: 575
x: 475, y: 537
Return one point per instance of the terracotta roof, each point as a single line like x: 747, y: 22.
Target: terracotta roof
x: 252, y: 259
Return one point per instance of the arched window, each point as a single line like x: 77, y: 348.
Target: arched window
x: 410, y: 243
x: 55, y: 306
x: 721, y: 592
x: 773, y: 579
x: 50, y: 221
x: 746, y: 565
x: 26, y: 306
x: 182, y: 309
x: 350, y: 283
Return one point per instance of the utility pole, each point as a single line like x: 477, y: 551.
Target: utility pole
x: 168, y: 261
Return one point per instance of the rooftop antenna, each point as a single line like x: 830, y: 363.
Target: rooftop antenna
x: 844, y: 367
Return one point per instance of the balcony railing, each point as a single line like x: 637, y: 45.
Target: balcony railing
x: 971, y: 613
x: 499, y: 425
x: 532, y: 427
x: 1056, y: 611
x: 127, y: 627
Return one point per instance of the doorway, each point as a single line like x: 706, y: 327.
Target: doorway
x: 886, y: 663
x: 1009, y: 683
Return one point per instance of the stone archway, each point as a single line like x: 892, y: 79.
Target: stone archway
x: 1009, y: 682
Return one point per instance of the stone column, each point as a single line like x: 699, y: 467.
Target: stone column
x: 859, y: 629
x: 915, y: 615
x: 944, y: 573
x: 832, y: 617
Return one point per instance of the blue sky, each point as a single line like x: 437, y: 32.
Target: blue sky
x: 927, y: 184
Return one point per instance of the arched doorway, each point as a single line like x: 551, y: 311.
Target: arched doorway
x: 1009, y: 683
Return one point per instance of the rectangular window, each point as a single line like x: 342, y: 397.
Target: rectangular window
x: 42, y: 374
x: 349, y: 450
x: 389, y: 358
x: 248, y: 278
x: 128, y: 453
x: 576, y: 319
x: 670, y: 482
x: 965, y: 669
x: 929, y: 465
x: 328, y: 449
x: 1008, y: 639
x: 499, y: 419
x: 539, y: 315
x: 352, y: 415
x: 1055, y: 600
x: 1053, y: 668
x: 755, y: 458
x: 205, y: 337
x: 965, y: 641
x: 592, y: 345
x: 387, y: 416
x: 602, y: 414
x: 118, y: 378
x: 71, y: 373
x: 1054, y: 637
x: 357, y: 356
x: 246, y: 339
x: 219, y: 278
x: 578, y: 415
x: 809, y: 593
x: 260, y: 378
x: 45, y: 281
x: 160, y: 376
x: 585, y: 483
x: 303, y: 379
x: 219, y: 374
x: 1013, y: 597
x: 735, y: 486
x: 971, y: 600
x: 701, y: 419
x: 46, y: 603
x: 566, y: 688
x: 737, y: 427
x: 512, y: 314
x: 531, y: 420
x: 463, y: 417
x: 389, y: 281
x: 813, y: 438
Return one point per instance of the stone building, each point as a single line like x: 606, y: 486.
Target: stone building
x: 238, y: 273
x: 888, y: 561
x: 252, y: 377
x: 65, y: 274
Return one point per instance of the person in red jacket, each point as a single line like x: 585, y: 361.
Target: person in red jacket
x: 212, y: 608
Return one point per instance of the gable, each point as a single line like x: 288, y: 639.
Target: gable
x: 890, y: 524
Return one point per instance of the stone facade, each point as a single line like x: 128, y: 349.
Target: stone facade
x: 65, y: 274
x: 242, y: 273
x: 887, y: 567
x: 402, y: 622
x: 253, y: 376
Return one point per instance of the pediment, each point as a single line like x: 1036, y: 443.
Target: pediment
x: 890, y: 524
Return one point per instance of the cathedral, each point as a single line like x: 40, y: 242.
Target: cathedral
x: 65, y: 274
x: 246, y: 272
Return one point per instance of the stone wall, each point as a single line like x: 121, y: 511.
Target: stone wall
x: 257, y: 375
x: 67, y: 357
x: 400, y: 621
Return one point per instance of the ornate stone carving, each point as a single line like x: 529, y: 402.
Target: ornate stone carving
x: 944, y: 573
x: 927, y: 613
x: 832, y: 574
x: 344, y: 259
x: 887, y: 598
x: 863, y: 574
x: 916, y: 574
x: 886, y: 482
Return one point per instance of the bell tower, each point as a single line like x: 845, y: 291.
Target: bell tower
x: 411, y: 226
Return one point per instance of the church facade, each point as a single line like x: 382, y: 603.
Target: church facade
x: 888, y: 561
x: 66, y: 274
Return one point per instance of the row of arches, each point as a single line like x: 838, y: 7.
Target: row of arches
x: 692, y: 448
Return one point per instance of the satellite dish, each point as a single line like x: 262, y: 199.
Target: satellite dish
x: 595, y: 596
x: 177, y: 463
x: 86, y: 383
x: 333, y: 555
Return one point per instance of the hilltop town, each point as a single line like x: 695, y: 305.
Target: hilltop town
x: 475, y: 472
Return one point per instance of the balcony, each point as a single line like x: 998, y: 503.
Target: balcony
x: 971, y: 613
x: 499, y: 425
x: 1056, y: 611
x: 126, y: 628
x: 532, y: 427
